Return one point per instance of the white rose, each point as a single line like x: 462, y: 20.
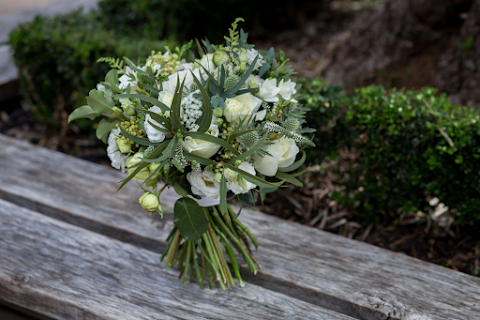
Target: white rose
x: 166, y: 98
x: 201, y: 148
x: 153, y: 134
x: 268, y: 165
x: 283, y: 151
x: 206, y: 62
x: 132, y: 161
x: 232, y: 179
x: 185, y: 73
x: 287, y: 89
x: 268, y: 90
x: 118, y: 160
x: 204, y: 184
x: 288, y: 150
x: 241, y: 106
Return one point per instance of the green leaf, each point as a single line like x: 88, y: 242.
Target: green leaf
x: 250, y: 151
x: 175, y: 108
x: 295, y: 165
x: 112, y: 77
x: 207, y: 107
x: 161, y: 120
x: 283, y: 175
x: 145, y: 98
x: 192, y: 157
x: 223, y: 195
x: 98, y: 102
x: 82, y: 112
x: 179, y: 190
x: 190, y: 219
x: 209, y: 138
x: 104, y: 128
x: 295, y: 181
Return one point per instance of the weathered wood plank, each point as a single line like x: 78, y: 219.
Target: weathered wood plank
x: 327, y: 270
x: 66, y: 272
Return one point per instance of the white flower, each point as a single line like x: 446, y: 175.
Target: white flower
x: 288, y: 150
x: 204, y: 184
x: 126, y: 80
x: 268, y: 90
x: 132, y: 161
x: 201, y: 148
x: 232, y: 179
x: 153, y: 134
x: 118, y: 160
x: 100, y: 87
x: 268, y: 165
x: 251, y: 54
x: 206, y: 62
x: 166, y: 98
x: 287, y: 89
x: 283, y: 151
x: 240, y: 107
x: 186, y: 74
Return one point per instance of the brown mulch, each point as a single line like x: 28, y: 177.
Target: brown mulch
x: 431, y: 236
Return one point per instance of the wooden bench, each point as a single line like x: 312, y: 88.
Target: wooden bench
x: 73, y: 248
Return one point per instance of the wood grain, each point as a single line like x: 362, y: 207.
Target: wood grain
x: 66, y: 272
x: 327, y: 270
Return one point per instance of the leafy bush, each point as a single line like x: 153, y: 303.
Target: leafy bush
x: 410, y: 146
x: 56, y: 58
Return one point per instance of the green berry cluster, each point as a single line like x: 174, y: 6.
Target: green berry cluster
x: 131, y: 126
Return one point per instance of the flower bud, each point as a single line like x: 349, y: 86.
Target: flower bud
x: 218, y: 112
x: 242, y: 182
x: 242, y: 67
x: 230, y: 175
x: 243, y: 56
x: 153, y: 166
x: 150, y: 202
x: 238, y: 162
x: 128, y: 109
x: 252, y: 83
x: 117, y: 110
x: 219, y: 121
x: 218, y: 176
x: 219, y: 57
x: 123, y: 147
x: 133, y: 160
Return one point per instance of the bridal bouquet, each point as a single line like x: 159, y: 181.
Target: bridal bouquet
x: 217, y: 128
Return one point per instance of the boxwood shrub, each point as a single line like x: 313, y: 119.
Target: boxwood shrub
x: 411, y: 146
x: 56, y: 58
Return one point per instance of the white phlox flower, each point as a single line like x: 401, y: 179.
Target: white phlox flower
x: 204, y: 184
x: 126, y: 80
x: 153, y: 134
x: 232, y: 179
x: 117, y: 159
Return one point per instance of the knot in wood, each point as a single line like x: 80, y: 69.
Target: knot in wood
x: 22, y: 279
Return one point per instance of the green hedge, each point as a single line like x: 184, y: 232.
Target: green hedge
x: 57, y: 57
x: 410, y: 145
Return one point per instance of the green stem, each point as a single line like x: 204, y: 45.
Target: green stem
x: 187, y: 262
x: 197, y: 269
x: 215, y: 259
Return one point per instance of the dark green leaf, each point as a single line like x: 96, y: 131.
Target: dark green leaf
x: 190, y: 219
x: 145, y: 98
x: 223, y: 195
x: 294, y: 166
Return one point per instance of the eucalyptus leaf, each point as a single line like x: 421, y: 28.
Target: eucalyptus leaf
x: 190, y: 219
x: 82, y: 112
x: 145, y: 98
x: 104, y: 128
x: 112, y: 77
x: 99, y: 103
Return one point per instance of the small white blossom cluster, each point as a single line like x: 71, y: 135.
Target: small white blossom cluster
x: 191, y: 107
